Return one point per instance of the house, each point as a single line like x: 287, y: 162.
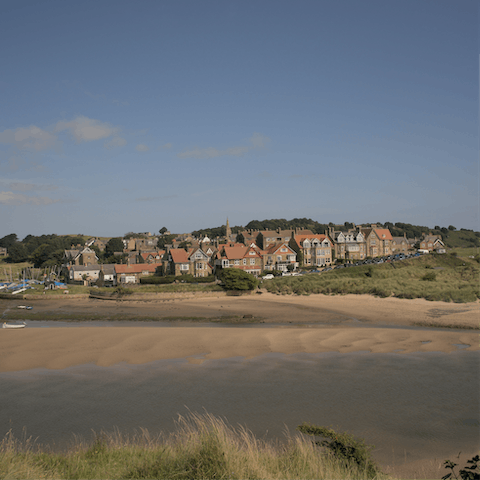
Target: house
x: 3, y: 251
x: 432, y: 243
x: 133, y: 273
x: 107, y: 275
x: 200, y: 265
x: 314, y: 249
x: 176, y: 262
x: 379, y: 241
x: 400, y: 244
x: 150, y: 257
x: 249, y: 259
x: 80, y: 256
x: 267, y: 238
x: 280, y: 257
x: 86, y: 274
x: 350, y: 244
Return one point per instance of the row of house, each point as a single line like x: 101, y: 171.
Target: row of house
x: 251, y: 251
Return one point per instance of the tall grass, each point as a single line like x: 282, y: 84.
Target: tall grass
x: 202, y: 447
x: 443, y: 277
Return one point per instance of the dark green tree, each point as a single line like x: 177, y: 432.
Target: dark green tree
x: 113, y: 245
x: 236, y: 279
x: 8, y: 240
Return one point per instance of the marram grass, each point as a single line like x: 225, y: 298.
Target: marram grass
x: 202, y: 447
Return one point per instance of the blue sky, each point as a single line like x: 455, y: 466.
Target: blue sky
x: 120, y: 116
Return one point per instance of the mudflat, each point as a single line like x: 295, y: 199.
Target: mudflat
x: 296, y: 324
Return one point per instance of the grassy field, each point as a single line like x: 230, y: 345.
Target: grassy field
x: 202, y: 447
x: 445, y: 278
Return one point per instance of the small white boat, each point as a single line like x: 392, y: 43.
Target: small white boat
x: 11, y: 325
x: 25, y: 307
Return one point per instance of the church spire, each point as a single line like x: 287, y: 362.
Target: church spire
x: 228, y: 231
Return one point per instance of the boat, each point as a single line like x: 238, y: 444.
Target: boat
x: 25, y: 307
x: 11, y: 325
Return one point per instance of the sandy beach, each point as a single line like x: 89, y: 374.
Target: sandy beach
x: 309, y: 324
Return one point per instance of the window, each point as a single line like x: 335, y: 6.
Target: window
x: 184, y: 267
x: 252, y: 261
x: 283, y: 250
x: 199, y: 266
x: 244, y: 261
x: 279, y: 258
x: 237, y: 262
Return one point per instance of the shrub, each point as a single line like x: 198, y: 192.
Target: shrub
x: 344, y: 447
x: 235, y: 279
x: 430, y: 277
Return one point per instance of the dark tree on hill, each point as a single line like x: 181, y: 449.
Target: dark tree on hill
x: 113, y: 245
x: 165, y: 240
x: 163, y: 230
x: 8, y: 240
x: 17, y: 253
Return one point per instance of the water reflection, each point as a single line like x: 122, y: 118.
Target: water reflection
x: 414, y: 405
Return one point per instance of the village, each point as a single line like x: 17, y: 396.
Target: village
x: 258, y: 252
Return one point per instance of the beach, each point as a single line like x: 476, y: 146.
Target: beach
x: 296, y: 324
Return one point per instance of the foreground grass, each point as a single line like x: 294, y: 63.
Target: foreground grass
x: 433, y: 277
x: 202, y: 447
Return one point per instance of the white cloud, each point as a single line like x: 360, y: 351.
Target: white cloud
x: 154, y: 199
x: 212, y: 152
x: 10, y: 198
x: 142, y: 148
x: 115, y: 142
x: 30, y: 138
x: 85, y: 129
x: 27, y: 187
x: 257, y: 140
x: 165, y: 147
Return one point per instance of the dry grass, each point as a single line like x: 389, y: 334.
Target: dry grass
x: 202, y: 447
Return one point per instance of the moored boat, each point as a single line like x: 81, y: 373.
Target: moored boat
x: 11, y: 325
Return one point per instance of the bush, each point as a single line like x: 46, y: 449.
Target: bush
x: 344, y: 446
x: 430, y: 277
x: 236, y: 279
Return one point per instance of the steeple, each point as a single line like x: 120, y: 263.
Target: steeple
x: 228, y: 231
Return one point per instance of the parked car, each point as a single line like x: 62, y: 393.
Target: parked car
x: 268, y: 276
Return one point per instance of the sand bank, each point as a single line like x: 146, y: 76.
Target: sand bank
x: 311, y: 324
x: 57, y: 348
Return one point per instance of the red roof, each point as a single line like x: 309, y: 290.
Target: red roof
x: 137, y: 268
x: 383, y: 233
x: 179, y: 255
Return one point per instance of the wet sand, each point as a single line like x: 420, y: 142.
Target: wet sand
x: 312, y: 324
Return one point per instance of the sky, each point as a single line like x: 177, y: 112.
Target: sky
x: 120, y: 116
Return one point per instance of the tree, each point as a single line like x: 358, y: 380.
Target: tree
x: 113, y: 245
x: 236, y: 279
x: 17, y: 253
x: 164, y: 240
x: 8, y: 240
x: 451, y: 228
x: 163, y: 230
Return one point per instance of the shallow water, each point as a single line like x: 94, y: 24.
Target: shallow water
x: 411, y: 406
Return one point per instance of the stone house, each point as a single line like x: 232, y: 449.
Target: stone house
x: 315, y: 249
x: 350, y: 244
x: 379, y: 241
x: 400, y: 244
x: 80, y: 256
x: 432, y: 243
x: 280, y: 257
x: 249, y: 259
